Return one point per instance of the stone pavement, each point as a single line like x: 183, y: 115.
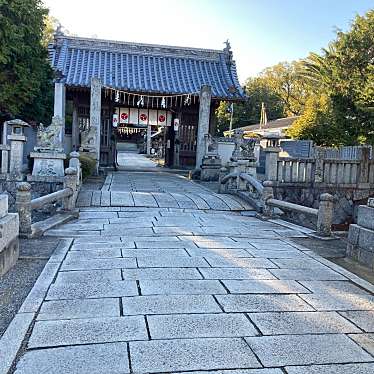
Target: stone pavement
x: 187, y: 290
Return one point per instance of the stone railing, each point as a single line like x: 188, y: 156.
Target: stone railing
x: 352, y: 173
x: 25, y: 205
x: 261, y: 197
x: 324, y: 213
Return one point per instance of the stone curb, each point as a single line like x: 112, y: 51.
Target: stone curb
x: 14, y: 335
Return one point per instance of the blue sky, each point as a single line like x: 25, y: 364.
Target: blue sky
x: 262, y: 32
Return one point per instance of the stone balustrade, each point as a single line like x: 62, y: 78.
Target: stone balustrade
x: 25, y: 205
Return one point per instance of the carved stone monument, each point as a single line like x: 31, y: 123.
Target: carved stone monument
x: 48, y: 153
x: 17, y: 140
x: 211, y: 163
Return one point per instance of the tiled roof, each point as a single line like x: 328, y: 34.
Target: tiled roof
x: 277, y: 123
x: 144, y: 68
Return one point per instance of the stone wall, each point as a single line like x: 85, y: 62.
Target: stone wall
x: 346, y: 202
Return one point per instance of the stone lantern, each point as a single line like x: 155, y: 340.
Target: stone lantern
x: 17, y: 140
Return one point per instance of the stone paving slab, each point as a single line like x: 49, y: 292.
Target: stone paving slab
x: 364, y: 319
x: 65, y: 290
x: 306, y: 349
x: 264, y: 286
x: 228, y: 252
x: 99, y: 263
x: 87, y: 331
x: 272, y: 254
x: 88, y: 359
x: 88, y: 276
x: 200, y: 326
x: 236, y: 273
x: 153, y: 252
x: 340, y: 301
x: 332, y: 369
x: 307, y: 274
x: 333, y: 287
x: 170, y: 304
x: 181, y: 287
x: 262, y: 303
x: 285, y: 323
x: 160, y: 273
x: 239, y: 371
x: 366, y: 341
x: 160, y: 356
x: 231, y: 262
x: 84, y: 308
x: 93, y: 254
x: 172, y: 262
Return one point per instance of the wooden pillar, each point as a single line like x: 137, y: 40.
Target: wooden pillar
x: 75, y: 128
x: 203, y: 125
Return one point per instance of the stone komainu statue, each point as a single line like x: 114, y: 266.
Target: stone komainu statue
x: 244, y: 148
x: 49, y: 137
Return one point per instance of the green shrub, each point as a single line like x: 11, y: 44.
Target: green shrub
x: 88, y: 165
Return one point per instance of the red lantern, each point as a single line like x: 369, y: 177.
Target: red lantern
x: 124, y: 116
x: 143, y: 117
x: 161, y: 118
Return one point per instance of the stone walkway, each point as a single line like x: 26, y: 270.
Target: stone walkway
x: 176, y: 290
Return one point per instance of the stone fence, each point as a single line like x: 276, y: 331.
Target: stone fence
x: 319, y: 169
x: 25, y: 205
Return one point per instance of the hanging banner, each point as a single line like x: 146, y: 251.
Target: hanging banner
x: 143, y: 117
x: 115, y: 120
x: 161, y: 118
x: 152, y: 117
x: 124, y: 115
x: 134, y: 116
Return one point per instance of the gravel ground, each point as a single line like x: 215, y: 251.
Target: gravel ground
x: 17, y: 283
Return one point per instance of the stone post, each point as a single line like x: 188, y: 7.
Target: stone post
x: 268, y: 193
x: 271, y: 159
x: 23, y: 205
x: 75, y: 163
x: 95, y: 116
x: 59, y: 105
x: 319, y: 156
x: 203, y: 126
x: 70, y: 181
x: 325, y: 212
x: 363, y: 176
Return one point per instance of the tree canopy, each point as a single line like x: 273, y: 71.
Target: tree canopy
x: 340, y: 109
x: 25, y: 75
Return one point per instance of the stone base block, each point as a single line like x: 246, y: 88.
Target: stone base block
x: 361, y: 245
x: 365, y: 217
x: 9, y: 255
x: 3, y: 205
x: 9, y: 228
x: 210, y: 169
x: 48, y: 164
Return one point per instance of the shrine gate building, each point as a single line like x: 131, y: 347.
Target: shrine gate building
x: 108, y: 90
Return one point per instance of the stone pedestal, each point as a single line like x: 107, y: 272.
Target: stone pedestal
x: 9, y: 226
x: 48, y: 164
x: 361, y: 235
x: 210, y: 168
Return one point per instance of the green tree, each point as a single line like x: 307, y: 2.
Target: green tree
x: 344, y: 72
x: 25, y: 74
